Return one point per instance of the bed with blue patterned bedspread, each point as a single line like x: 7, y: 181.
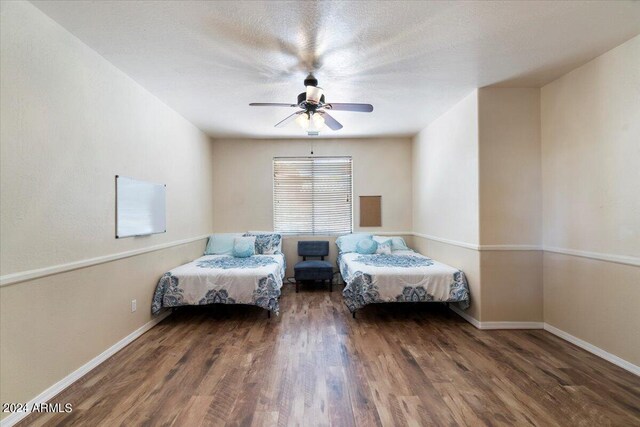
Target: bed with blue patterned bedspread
x: 223, y: 279
x: 403, y: 276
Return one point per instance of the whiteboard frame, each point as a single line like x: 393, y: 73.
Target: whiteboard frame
x: 122, y: 236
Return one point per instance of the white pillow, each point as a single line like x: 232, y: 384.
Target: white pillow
x: 397, y: 242
x: 384, y: 246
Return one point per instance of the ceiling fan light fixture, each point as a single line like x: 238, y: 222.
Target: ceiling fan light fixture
x: 303, y: 121
x: 314, y: 93
x: 311, y: 122
x: 317, y: 122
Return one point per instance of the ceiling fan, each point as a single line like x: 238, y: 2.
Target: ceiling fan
x: 313, y: 114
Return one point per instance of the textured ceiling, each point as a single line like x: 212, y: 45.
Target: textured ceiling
x: 411, y: 60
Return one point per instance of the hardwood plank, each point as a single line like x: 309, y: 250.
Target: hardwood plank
x: 395, y: 365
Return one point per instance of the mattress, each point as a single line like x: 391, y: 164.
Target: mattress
x: 223, y: 279
x: 403, y: 276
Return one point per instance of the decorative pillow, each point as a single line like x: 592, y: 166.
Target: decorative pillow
x: 221, y: 243
x: 397, y: 242
x: 366, y: 246
x: 244, y: 247
x: 267, y: 243
x: 348, y: 242
x: 384, y: 246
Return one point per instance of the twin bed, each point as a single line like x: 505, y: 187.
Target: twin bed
x: 398, y: 276
x: 402, y: 276
x: 223, y: 279
x: 236, y: 269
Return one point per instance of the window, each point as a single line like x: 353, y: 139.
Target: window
x: 312, y: 195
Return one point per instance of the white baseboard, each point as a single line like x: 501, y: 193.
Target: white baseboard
x: 634, y: 369
x: 58, y: 387
x: 475, y: 322
x: 496, y: 325
x: 511, y: 325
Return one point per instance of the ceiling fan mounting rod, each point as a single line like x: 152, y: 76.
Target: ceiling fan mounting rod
x: 311, y: 80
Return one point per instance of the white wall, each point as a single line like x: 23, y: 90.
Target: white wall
x: 70, y: 121
x: 591, y: 200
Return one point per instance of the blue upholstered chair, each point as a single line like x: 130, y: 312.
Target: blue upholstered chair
x: 313, y: 270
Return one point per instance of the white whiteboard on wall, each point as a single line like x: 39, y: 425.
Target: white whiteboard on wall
x: 140, y: 207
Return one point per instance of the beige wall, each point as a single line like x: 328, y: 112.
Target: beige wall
x: 70, y: 122
x: 53, y: 325
x: 445, y: 174
x: 511, y: 286
x: 595, y: 301
x: 243, y: 182
x: 243, y: 178
x: 558, y: 168
x: 591, y: 200
x: 509, y: 166
x: 468, y: 260
x: 510, y: 203
x: 591, y: 155
x: 476, y: 182
x: 445, y: 191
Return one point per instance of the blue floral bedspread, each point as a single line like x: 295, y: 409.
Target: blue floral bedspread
x: 403, y: 276
x: 223, y: 279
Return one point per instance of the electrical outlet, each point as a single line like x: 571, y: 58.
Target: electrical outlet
x: 134, y: 305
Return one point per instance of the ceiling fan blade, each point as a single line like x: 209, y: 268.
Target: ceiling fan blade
x: 339, y: 106
x: 288, y: 119
x: 271, y: 104
x: 330, y: 121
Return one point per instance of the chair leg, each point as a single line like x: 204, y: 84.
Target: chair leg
x: 296, y: 286
x: 268, y: 314
x: 353, y: 314
x: 330, y: 285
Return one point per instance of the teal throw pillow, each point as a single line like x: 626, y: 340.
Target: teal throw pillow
x: 244, y: 247
x: 366, y: 246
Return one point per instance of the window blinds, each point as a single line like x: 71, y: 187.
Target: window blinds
x: 312, y: 195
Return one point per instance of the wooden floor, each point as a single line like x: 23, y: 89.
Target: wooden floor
x: 395, y: 365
